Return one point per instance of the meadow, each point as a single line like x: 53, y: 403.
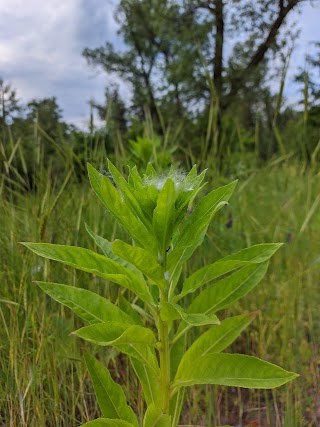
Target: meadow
x: 43, y: 379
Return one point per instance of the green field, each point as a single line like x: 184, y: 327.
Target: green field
x: 43, y: 378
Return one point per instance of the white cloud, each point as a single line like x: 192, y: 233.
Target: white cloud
x: 40, y: 50
x: 41, y: 44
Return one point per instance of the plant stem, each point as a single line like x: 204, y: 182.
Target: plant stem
x: 164, y: 359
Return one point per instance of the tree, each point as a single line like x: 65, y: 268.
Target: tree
x: 9, y: 105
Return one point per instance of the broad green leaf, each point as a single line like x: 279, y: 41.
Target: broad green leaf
x: 143, y: 260
x: 164, y: 215
x: 86, y: 304
x: 116, y: 334
x: 216, y: 338
x: 254, y: 254
x: 134, y: 341
x: 89, y: 261
x: 235, y: 370
x: 154, y: 417
x: 110, y: 396
x: 170, y: 311
x: 110, y: 197
x: 106, y: 245
x: 105, y: 422
x: 148, y: 380
x: 225, y: 292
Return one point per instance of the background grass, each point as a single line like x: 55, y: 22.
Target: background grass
x: 43, y: 381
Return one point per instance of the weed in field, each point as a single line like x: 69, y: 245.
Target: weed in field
x: 156, y: 213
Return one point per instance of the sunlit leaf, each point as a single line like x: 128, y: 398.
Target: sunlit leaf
x: 235, y: 370
x: 115, y: 334
x: 225, y: 292
x: 143, y: 260
x: 86, y: 304
x: 89, y: 261
x: 255, y: 254
x: 216, y: 338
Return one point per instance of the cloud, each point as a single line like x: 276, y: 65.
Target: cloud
x: 41, y: 44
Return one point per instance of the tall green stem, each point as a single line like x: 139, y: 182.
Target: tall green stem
x: 163, y: 330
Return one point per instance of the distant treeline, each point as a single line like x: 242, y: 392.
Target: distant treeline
x: 190, y: 99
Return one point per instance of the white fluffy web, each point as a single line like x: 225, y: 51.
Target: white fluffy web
x: 177, y: 176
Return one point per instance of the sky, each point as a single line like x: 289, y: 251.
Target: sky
x: 41, y: 44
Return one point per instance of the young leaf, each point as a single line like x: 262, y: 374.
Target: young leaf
x: 202, y: 214
x: 193, y: 230
x: 216, y: 339
x: 164, y: 215
x: 105, y: 422
x: 89, y: 261
x: 86, y: 304
x: 106, y: 245
x: 110, y: 396
x: 127, y: 194
x: 143, y: 260
x: 254, y: 254
x: 116, y: 334
x: 110, y: 197
x: 225, y: 292
x: 235, y: 370
x: 170, y: 311
x: 154, y: 417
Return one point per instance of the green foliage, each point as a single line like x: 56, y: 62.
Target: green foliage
x: 166, y: 227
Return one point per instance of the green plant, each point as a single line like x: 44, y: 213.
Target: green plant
x: 157, y: 213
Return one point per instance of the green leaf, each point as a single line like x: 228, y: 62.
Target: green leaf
x: 175, y: 406
x: 110, y: 396
x: 115, y: 334
x: 105, y: 422
x: 134, y: 341
x: 127, y: 194
x: 129, y: 309
x: 197, y: 221
x: 110, y: 197
x: 86, y: 304
x: 154, y: 417
x: 148, y: 380
x: 164, y: 215
x: 106, y: 247
x: 193, y: 230
x: 254, y: 254
x: 216, y: 338
x: 170, y: 311
x: 225, y: 292
x: 235, y: 370
x: 89, y: 261
x: 143, y: 260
